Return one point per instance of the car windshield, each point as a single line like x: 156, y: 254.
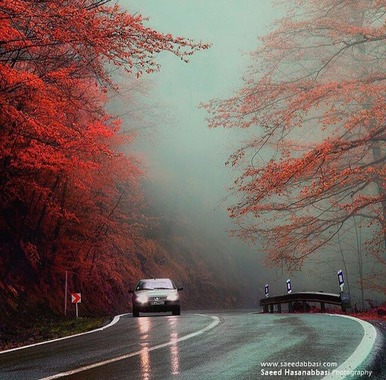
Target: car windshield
x: 163, y: 283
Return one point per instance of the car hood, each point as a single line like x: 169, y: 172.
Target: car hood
x: 156, y: 292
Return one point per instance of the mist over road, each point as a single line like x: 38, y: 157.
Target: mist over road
x: 202, y: 345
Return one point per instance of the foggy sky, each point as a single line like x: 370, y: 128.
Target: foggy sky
x: 184, y: 157
x: 185, y: 160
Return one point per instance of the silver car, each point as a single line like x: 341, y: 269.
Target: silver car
x: 156, y: 295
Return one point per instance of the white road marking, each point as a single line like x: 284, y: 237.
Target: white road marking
x: 113, y: 322
x: 215, y: 322
x: 360, y: 354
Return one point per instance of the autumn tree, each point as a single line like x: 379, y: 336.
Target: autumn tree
x: 314, y: 96
x: 69, y: 197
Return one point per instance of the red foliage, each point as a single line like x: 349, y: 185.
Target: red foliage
x: 315, y: 94
x: 69, y: 199
x: 377, y: 314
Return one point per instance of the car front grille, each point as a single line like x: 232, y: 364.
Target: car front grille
x: 157, y: 298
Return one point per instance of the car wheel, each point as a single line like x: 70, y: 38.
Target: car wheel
x: 176, y: 311
x: 135, y: 313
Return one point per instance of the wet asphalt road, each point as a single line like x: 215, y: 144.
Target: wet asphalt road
x: 204, y: 345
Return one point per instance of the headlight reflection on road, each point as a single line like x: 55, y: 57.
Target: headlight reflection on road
x: 174, y: 353
x: 144, y: 328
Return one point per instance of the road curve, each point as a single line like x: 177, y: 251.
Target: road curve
x: 225, y: 345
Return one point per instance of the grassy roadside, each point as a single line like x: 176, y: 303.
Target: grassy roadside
x: 17, y: 334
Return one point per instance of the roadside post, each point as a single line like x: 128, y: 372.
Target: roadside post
x: 266, y: 290
x: 341, y: 280
x: 345, y: 297
x: 289, y: 286
x: 289, y: 290
x: 76, y: 298
x: 65, y: 293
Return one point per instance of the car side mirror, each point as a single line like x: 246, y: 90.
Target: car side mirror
x: 180, y: 288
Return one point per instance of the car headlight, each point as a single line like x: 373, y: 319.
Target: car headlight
x: 142, y: 298
x: 172, y: 297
